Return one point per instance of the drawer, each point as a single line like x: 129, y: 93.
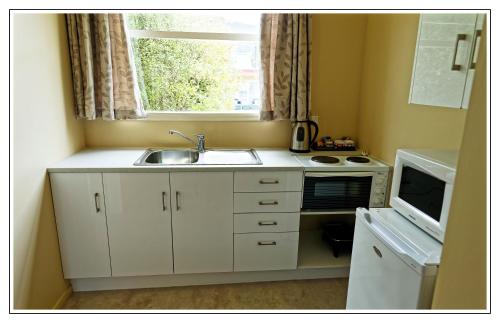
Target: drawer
x: 267, y: 202
x: 268, y: 181
x: 265, y: 251
x: 266, y: 222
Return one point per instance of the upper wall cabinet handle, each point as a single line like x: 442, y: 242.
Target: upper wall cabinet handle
x: 454, y: 65
x: 475, y: 48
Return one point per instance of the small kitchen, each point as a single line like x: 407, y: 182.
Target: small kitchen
x: 350, y: 176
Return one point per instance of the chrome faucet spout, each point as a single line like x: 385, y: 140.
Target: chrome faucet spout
x: 200, y: 145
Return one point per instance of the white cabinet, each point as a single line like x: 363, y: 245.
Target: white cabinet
x: 139, y: 223
x: 268, y: 181
x: 202, y: 221
x: 265, y: 251
x: 81, y: 224
x: 445, y: 57
x: 267, y: 202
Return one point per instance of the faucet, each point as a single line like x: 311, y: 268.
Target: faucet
x: 200, y: 145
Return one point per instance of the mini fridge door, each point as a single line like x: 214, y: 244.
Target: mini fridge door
x: 382, y: 275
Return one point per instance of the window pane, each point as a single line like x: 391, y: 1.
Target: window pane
x: 197, y: 75
x: 196, y: 22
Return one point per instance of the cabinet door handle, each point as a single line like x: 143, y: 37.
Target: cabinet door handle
x: 269, y: 181
x: 163, y: 195
x: 454, y: 65
x: 475, y: 48
x: 177, y: 205
x: 268, y: 202
x: 266, y: 243
x: 268, y: 223
x: 97, y: 201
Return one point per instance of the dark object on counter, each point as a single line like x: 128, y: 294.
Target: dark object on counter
x: 339, y: 237
x: 302, y: 139
x: 319, y: 148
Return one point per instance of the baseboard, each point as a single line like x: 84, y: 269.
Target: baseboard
x: 111, y: 283
x: 63, y: 298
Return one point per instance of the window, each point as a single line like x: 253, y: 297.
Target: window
x: 197, y: 62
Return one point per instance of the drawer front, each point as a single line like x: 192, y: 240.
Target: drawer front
x: 267, y: 202
x: 266, y: 222
x: 268, y: 181
x: 265, y: 251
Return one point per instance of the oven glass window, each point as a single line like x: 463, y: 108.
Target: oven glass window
x: 336, y: 192
x: 423, y: 191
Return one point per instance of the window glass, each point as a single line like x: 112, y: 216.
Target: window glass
x: 178, y: 73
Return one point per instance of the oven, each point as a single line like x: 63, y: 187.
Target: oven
x: 343, y: 192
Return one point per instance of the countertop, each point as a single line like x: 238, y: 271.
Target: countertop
x: 122, y: 160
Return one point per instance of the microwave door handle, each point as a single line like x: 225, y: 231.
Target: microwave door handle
x: 339, y: 174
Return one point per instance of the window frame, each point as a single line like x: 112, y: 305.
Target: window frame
x: 196, y: 115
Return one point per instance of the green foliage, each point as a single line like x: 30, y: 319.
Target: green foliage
x: 182, y: 75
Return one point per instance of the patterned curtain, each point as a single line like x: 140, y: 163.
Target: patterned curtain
x: 285, y: 66
x: 104, y: 82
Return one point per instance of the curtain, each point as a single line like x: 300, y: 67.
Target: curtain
x: 104, y: 83
x: 285, y: 50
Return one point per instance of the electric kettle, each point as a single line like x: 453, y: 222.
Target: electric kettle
x: 301, y: 136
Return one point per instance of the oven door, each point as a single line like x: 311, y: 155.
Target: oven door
x: 336, y: 192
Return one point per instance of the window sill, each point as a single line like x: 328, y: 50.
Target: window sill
x: 203, y: 116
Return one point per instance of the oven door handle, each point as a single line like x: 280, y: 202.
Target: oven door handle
x: 338, y: 174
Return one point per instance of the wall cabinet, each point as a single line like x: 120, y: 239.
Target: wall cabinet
x: 81, y: 224
x: 202, y: 221
x: 445, y: 57
x: 139, y: 223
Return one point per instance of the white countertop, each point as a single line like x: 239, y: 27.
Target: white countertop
x: 122, y: 160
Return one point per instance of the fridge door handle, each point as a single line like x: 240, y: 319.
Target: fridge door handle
x: 388, y: 238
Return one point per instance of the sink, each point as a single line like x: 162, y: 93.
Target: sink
x: 159, y: 157
x: 170, y: 157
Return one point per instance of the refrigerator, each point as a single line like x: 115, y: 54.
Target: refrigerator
x: 393, y: 263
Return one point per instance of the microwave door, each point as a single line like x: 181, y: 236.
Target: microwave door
x: 336, y: 191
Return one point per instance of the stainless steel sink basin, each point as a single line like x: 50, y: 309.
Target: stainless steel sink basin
x: 171, y: 157
x: 159, y: 157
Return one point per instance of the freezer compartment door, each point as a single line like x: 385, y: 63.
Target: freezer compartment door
x: 379, y: 278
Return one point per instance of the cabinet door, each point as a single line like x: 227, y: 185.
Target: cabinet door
x: 81, y: 224
x: 202, y: 221
x: 442, y: 57
x: 139, y: 223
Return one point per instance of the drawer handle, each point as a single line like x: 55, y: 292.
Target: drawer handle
x: 268, y: 202
x: 269, y: 181
x: 266, y: 243
x: 268, y: 223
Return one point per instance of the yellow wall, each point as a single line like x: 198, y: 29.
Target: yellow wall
x: 336, y: 72
x: 386, y: 120
x: 45, y: 131
x: 337, y: 63
x: 461, y: 281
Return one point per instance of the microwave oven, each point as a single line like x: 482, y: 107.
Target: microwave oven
x: 422, y: 187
